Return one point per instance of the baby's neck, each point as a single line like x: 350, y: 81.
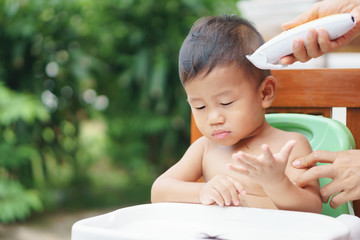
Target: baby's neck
x: 258, y: 137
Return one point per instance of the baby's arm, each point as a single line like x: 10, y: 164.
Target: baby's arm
x: 180, y: 182
x: 275, y: 174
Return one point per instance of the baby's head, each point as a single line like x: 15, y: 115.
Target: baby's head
x: 220, y: 41
x: 227, y: 94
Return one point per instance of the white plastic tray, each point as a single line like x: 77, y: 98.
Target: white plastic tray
x: 195, y: 221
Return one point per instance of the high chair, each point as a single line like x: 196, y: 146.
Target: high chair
x: 316, y: 92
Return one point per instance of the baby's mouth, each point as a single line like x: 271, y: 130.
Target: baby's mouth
x: 220, y: 134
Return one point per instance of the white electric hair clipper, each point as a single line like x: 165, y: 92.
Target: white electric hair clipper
x: 268, y: 55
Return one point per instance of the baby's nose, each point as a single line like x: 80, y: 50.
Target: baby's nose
x: 215, y: 117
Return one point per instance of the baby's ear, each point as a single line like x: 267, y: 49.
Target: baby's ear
x: 267, y: 91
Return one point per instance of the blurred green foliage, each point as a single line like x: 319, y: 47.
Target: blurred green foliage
x: 91, y: 108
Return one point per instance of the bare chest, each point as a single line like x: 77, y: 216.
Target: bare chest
x: 214, y: 163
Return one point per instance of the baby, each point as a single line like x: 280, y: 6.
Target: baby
x: 228, y: 97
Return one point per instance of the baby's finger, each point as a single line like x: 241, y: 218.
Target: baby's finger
x: 237, y: 168
x: 267, y: 155
x: 234, y: 195
x: 246, y: 160
x: 239, y: 187
x: 285, y: 151
x: 223, y: 188
x: 216, y: 197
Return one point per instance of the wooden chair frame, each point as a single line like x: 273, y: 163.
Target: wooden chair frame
x: 316, y: 91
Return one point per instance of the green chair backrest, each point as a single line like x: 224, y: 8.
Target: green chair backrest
x: 323, y: 134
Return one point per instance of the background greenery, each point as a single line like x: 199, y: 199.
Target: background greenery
x: 91, y: 108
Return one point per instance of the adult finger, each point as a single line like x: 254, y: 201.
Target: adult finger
x: 299, y: 50
x: 314, y: 157
x: 340, y: 198
x: 330, y: 189
x: 328, y: 45
x: 312, y: 46
x: 290, y: 59
x: 325, y: 44
x: 324, y: 171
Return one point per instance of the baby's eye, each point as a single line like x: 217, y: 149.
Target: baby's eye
x: 199, y: 108
x: 226, y: 104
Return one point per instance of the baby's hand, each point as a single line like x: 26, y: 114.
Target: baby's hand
x: 267, y: 168
x: 222, y: 190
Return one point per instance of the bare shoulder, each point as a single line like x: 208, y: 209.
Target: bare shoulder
x: 200, y: 144
x: 301, y: 140
x: 195, y: 151
x: 302, y: 146
x: 189, y: 167
x: 201, y: 140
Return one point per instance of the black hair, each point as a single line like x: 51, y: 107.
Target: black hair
x: 219, y: 41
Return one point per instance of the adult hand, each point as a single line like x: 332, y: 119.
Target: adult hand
x: 319, y: 43
x: 344, y: 171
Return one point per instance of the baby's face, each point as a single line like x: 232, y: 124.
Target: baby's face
x: 226, y: 105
